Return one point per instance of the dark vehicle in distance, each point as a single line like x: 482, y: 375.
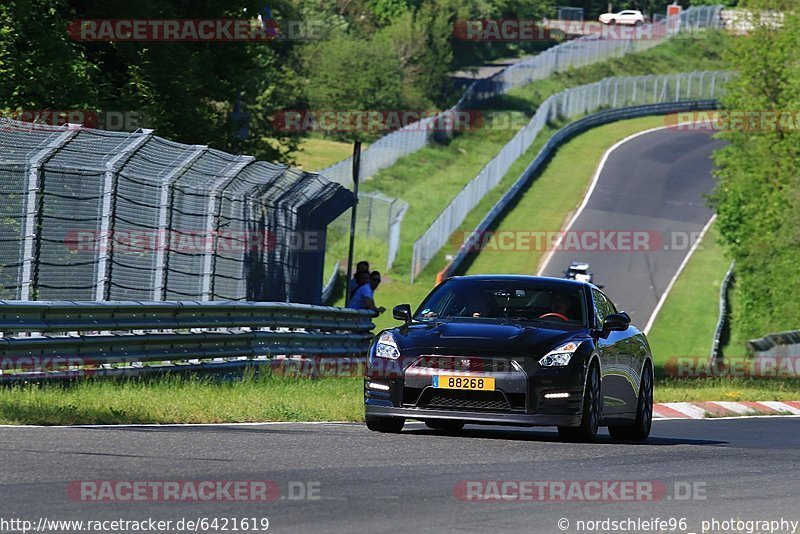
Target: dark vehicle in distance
x: 507, y: 349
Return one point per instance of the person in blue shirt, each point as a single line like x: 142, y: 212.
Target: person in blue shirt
x: 352, y: 284
x: 364, y: 296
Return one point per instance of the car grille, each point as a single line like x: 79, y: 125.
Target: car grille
x: 475, y: 365
x: 464, y: 400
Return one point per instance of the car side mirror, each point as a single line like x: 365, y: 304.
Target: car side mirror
x: 402, y: 312
x: 616, y: 322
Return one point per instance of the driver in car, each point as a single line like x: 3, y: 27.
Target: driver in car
x: 479, y: 306
x: 560, y: 307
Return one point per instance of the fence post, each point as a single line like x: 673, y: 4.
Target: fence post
x: 33, y: 212
x: 107, y: 216
x: 212, y: 220
x: 164, y: 216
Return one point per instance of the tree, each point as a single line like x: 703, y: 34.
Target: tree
x: 758, y: 189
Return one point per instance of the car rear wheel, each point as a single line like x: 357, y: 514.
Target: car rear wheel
x: 644, y: 412
x: 449, y: 425
x: 592, y: 408
x: 391, y: 425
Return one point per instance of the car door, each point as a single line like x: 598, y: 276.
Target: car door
x: 627, y: 17
x: 613, y: 361
x: 628, y: 358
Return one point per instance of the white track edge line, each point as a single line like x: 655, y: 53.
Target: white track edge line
x: 674, y: 279
x: 589, y: 192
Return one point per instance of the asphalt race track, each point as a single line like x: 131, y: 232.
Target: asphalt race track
x: 370, y: 482
x: 652, y: 185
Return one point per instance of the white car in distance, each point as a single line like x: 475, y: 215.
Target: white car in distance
x: 629, y: 17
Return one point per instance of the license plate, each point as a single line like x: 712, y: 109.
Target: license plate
x: 463, y: 382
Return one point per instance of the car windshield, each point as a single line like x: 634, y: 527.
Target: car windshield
x: 504, y: 299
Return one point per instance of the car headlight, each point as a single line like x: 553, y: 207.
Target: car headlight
x: 387, y: 347
x: 559, y: 357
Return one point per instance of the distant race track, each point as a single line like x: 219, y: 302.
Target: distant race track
x: 651, y: 187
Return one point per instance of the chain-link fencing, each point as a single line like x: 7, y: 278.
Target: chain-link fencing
x: 96, y: 215
x: 609, y: 93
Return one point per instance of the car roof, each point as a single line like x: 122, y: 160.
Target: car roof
x: 579, y: 265
x: 550, y: 280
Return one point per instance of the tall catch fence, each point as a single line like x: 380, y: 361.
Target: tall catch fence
x: 96, y: 215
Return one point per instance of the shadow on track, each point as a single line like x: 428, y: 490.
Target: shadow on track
x: 524, y: 434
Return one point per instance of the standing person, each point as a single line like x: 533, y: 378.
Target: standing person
x: 363, y: 298
x: 352, y: 284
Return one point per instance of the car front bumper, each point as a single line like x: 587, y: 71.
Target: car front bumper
x: 522, y: 395
x: 497, y: 418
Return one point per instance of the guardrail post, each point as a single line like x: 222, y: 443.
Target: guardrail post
x: 107, y: 216
x: 164, y: 217
x: 212, y: 221
x: 33, y: 212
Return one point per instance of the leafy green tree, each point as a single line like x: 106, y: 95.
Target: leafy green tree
x: 758, y: 191
x: 40, y: 66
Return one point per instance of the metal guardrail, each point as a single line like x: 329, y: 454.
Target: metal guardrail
x: 722, y: 322
x: 781, y: 344
x: 553, y: 143
x: 63, y: 339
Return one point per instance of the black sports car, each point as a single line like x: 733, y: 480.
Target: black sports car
x: 520, y: 350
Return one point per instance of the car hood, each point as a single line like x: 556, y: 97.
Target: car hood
x: 478, y: 337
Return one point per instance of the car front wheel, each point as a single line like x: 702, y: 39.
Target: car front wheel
x: 644, y: 412
x: 391, y: 425
x: 592, y: 408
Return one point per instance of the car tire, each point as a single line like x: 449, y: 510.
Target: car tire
x: 448, y: 425
x: 391, y: 425
x: 612, y: 22
x: 592, y: 410
x: 644, y: 412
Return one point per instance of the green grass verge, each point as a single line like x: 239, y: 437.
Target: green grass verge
x: 182, y: 400
x: 726, y: 389
x: 175, y: 400
x: 686, y: 324
x: 315, y: 154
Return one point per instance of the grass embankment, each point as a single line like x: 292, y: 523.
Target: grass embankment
x: 686, y: 323
x: 316, y: 154
x: 431, y: 177
x: 685, y: 328
x: 184, y: 400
